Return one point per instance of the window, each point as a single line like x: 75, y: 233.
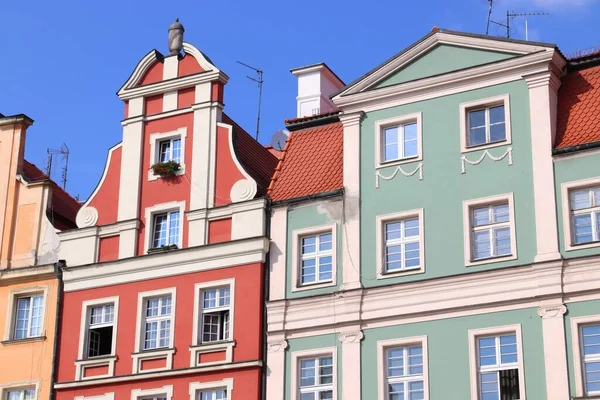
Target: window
x: 498, y: 367
x: 21, y: 394
x: 100, y: 330
x: 316, y: 378
x: 157, y: 322
x: 496, y: 363
x: 316, y: 258
x: 220, y: 390
x: 585, y: 215
x: 398, y: 140
x: 28, y: 316
x: 590, y: 354
x: 217, y: 394
x: 170, y: 150
x: 405, y: 373
x: 166, y: 229
x: 485, y: 123
x: 402, y: 245
x: 163, y: 393
x: 215, y: 315
x: 489, y: 229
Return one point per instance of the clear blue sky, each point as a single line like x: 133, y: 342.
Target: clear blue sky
x: 63, y: 61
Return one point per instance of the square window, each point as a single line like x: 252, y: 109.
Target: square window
x: 485, y: 123
x: 165, y: 147
x: 398, y: 140
x: 169, y: 150
x: 28, y: 316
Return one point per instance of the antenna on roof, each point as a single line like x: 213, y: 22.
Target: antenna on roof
x: 278, y: 139
x: 64, y: 151
x: 510, y: 15
x: 259, y: 80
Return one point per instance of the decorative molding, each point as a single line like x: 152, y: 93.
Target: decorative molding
x: 465, y: 160
x: 87, y: 216
x: 226, y: 384
x: 276, y: 347
x: 351, y: 337
x: 351, y: 119
x: 552, y: 311
x: 242, y: 190
x: 398, y: 169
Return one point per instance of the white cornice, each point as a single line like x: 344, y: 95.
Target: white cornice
x: 201, y: 258
x: 21, y: 274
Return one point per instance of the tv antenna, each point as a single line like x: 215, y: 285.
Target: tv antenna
x: 259, y: 80
x: 510, y: 15
x: 64, y: 151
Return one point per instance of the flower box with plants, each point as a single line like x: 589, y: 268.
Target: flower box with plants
x: 162, y: 248
x: 166, y: 169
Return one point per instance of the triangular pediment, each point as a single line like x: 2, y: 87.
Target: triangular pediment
x: 442, y: 52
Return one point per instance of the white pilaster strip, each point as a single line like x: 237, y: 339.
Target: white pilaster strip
x: 555, y: 355
x: 542, y: 109
x: 200, y: 147
x: 351, y: 364
x: 276, y: 368
x: 170, y: 67
x: 170, y: 101
x: 351, y: 217
x: 277, y: 253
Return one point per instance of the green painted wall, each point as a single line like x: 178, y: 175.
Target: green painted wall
x: 310, y: 343
x: 442, y: 59
x: 443, y: 189
x: 579, y: 309
x: 568, y: 170
x: 310, y: 216
x: 448, y: 347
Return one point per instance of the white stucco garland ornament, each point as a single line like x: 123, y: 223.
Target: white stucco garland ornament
x: 464, y: 159
x: 398, y: 170
x: 87, y: 216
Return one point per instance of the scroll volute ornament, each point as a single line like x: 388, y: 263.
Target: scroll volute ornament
x: 176, y: 37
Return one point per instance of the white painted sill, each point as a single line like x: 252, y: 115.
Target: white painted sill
x: 486, y: 146
x: 490, y: 260
x: 397, y: 274
x: 302, y: 288
x: 400, y: 161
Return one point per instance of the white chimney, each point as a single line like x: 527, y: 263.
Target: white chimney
x: 315, y: 84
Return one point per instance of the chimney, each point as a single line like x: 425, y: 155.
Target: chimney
x: 315, y: 84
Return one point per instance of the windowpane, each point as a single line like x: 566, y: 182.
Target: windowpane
x: 476, y: 127
x: 392, y: 231
x: 174, y: 227
x: 489, y: 386
x: 411, y: 227
x: 591, y: 340
x: 500, y: 213
x: 22, y: 317
x: 410, y: 140
x: 325, y: 242
x: 160, y: 230
x: 481, y: 216
x: 36, y: 316
x: 487, y: 351
x: 309, y: 244
x: 580, y: 199
x: 582, y: 225
x: 176, y: 150
x: 502, y: 241
x: 497, y: 115
x: 390, y: 144
x: 481, y: 244
x: 592, y: 377
x: 497, y: 124
x: 165, y: 151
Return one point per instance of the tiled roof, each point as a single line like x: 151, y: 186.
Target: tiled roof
x: 257, y: 161
x: 578, y: 120
x: 310, y: 163
x: 311, y: 117
x: 62, y: 208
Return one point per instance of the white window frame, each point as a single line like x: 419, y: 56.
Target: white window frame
x: 139, y: 354
x: 381, y: 125
x: 380, y: 222
x: 566, y: 189
x: 156, y: 139
x: 166, y: 391
x: 576, y: 339
x: 11, y: 315
x: 468, y: 206
x: 475, y: 334
x: 383, y: 346
x: 83, y: 361
x: 151, y: 212
x: 6, y: 387
x: 296, y: 256
x: 196, y: 387
x: 479, y: 104
x: 197, y: 347
x: 312, y: 353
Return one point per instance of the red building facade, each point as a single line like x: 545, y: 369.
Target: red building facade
x: 164, y: 277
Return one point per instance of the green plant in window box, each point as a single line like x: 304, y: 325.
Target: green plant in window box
x: 163, y: 248
x: 166, y: 169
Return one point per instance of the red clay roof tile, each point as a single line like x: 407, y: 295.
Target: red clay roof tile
x: 578, y: 119
x: 310, y: 163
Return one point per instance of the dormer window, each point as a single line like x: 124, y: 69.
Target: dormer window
x: 170, y: 150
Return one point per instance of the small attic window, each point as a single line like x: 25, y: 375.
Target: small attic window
x: 168, y: 147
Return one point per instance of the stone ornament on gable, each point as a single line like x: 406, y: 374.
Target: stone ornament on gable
x: 552, y: 312
x: 87, y: 216
x: 176, y: 37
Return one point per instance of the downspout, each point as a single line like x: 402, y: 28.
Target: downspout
x: 58, y: 266
x: 266, y: 298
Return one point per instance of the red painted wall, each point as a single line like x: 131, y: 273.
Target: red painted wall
x: 108, y: 248
x: 165, y: 190
x: 186, y: 97
x: 247, y: 316
x: 219, y: 230
x: 106, y: 200
x: 153, y: 104
x: 227, y: 173
x: 153, y: 74
x: 188, y: 66
x: 246, y: 385
x: 217, y: 92
x: 126, y: 108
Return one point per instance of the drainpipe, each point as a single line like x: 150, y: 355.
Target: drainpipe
x: 266, y: 297
x: 58, y: 266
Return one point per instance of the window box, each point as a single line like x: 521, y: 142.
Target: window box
x: 162, y: 249
x: 166, y: 169
x: 485, y: 123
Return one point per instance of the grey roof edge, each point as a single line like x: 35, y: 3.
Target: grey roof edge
x: 317, y: 65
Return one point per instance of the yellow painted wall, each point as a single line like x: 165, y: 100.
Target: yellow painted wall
x: 28, y: 361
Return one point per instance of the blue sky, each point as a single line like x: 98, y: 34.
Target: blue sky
x: 62, y: 62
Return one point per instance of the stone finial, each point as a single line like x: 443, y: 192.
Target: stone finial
x: 176, y: 37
